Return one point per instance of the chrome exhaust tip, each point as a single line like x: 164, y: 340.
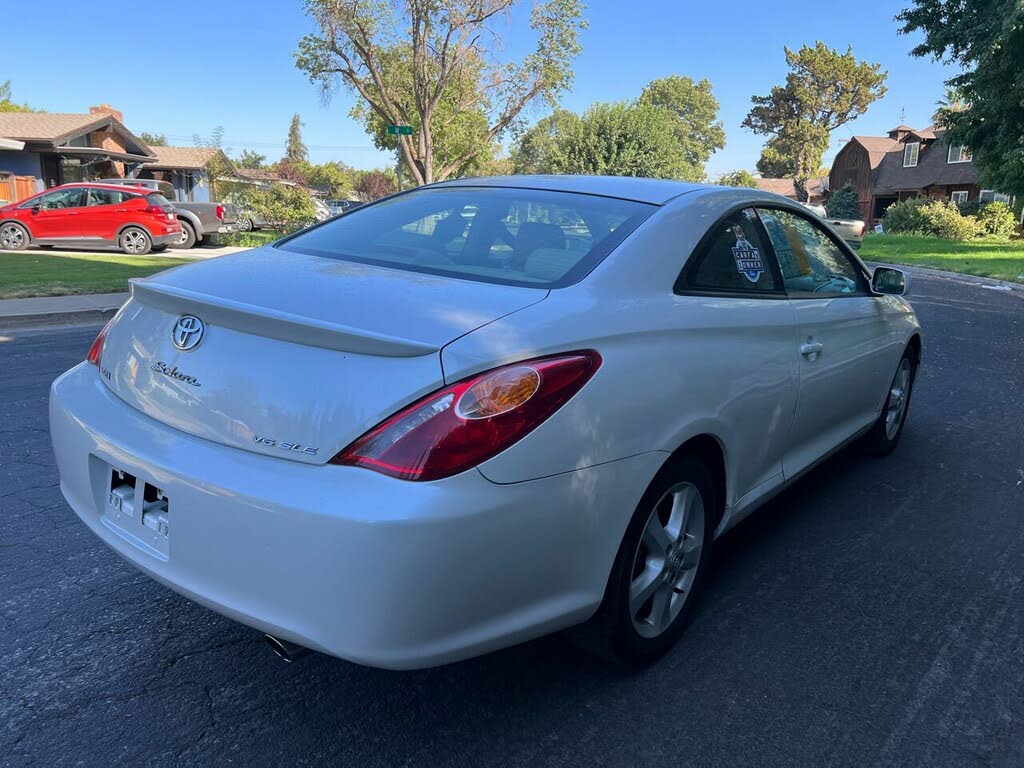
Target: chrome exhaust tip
x: 285, y: 650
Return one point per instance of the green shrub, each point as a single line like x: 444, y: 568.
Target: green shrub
x: 937, y: 218
x: 996, y: 219
x: 970, y: 208
x: 843, y: 203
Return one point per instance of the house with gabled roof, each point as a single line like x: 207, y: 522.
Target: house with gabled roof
x: 907, y: 162
x: 58, y: 148
x: 188, y: 171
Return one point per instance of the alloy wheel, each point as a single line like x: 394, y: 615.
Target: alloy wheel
x: 899, y: 393
x: 134, y: 241
x: 12, y: 237
x: 666, y: 560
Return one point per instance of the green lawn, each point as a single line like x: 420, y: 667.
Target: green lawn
x: 989, y: 257
x: 38, y: 273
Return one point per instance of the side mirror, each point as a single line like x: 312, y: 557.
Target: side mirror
x: 35, y: 209
x: 886, y: 280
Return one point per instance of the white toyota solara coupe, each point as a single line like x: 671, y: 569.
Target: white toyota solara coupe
x: 480, y: 411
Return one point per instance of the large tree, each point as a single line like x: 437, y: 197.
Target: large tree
x: 824, y: 90
x: 669, y: 132
x: 698, y: 130
x: 295, y: 149
x: 7, y: 104
x: 153, y: 139
x: 986, y: 39
x: 427, y: 64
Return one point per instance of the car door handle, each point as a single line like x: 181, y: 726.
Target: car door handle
x: 811, y: 350
x: 121, y: 210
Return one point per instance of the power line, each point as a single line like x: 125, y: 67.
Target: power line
x: 231, y: 142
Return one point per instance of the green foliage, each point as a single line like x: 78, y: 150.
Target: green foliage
x: 698, y: 130
x: 285, y: 208
x: 824, y: 90
x: 935, y: 218
x: 373, y: 185
x: 428, y: 65
x: 6, y: 103
x: 996, y: 219
x: 669, y: 132
x: 985, y: 40
x: 251, y: 159
x: 336, y: 177
x: 738, y: 179
x: 153, y: 139
x: 295, y: 149
x: 843, y: 203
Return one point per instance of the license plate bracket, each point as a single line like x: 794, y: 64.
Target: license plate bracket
x: 139, y: 512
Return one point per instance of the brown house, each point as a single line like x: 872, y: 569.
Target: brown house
x: 906, y: 163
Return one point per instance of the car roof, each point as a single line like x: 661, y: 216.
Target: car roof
x: 653, y: 191
x: 95, y: 185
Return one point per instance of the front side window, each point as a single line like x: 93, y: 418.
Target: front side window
x: 910, y: 153
x: 959, y: 154
x: 959, y: 196
x: 527, y: 237
x: 811, y: 262
x: 61, y: 198
x: 732, y: 259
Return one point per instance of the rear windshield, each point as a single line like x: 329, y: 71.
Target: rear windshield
x: 155, y: 198
x: 527, y: 237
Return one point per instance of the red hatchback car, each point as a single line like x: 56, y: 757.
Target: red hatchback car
x: 134, y: 219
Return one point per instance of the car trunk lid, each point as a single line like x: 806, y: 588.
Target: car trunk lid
x: 298, y: 355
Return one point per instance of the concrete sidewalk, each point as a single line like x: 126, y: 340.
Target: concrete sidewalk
x: 59, y: 310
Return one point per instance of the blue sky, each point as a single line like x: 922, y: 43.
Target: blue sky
x: 185, y: 69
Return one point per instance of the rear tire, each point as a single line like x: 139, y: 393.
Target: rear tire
x: 135, y: 241
x: 14, y: 237
x: 885, y: 434
x: 660, y: 566
x: 188, y: 235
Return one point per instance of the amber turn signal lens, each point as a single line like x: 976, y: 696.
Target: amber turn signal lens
x: 499, y: 393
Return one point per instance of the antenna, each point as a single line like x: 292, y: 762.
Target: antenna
x: 903, y: 116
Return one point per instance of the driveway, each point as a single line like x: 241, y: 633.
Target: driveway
x: 873, y: 615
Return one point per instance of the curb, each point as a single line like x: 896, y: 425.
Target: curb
x: 959, y: 277
x: 86, y: 309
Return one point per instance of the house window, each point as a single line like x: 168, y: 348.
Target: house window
x: 910, y: 153
x: 991, y: 196
x: 959, y: 154
x: 959, y: 197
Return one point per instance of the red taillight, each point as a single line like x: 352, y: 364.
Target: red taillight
x: 96, y: 350
x: 155, y: 209
x: 220, y: 212
x: 467, y: 423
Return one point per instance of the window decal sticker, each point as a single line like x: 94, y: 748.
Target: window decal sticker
x: 748, y: 258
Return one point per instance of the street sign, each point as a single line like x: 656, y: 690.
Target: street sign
x: 400, y: 130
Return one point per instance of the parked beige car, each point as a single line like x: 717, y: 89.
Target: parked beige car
x: 851, y: 230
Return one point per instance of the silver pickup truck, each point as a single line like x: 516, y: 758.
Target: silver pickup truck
x: 198, y: 220
x: 851, y: 230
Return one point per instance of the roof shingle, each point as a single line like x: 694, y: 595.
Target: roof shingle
x: 44, y: 126
x: 190, y: 158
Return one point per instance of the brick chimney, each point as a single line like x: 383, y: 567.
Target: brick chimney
x: 106, y: 109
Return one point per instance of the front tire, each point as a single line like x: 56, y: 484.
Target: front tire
x: 14, y: 237
x: 135, y: 241
x: 660, y: 566
x: 245, y: 225
x: 885, y: 434
x: 188, y: 235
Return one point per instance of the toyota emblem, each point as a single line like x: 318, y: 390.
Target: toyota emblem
x: 188, y: 332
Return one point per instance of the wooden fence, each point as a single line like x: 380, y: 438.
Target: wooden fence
x: 14, y: 188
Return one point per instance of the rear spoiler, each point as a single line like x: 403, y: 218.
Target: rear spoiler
x: 274, y: 324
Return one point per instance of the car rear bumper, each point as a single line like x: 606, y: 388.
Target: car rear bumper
x: 167, y: 238
x: 344, y: 560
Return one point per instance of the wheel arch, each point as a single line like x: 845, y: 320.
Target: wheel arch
x: 914, y: 344
x: 710, y: 449
x: 191, y: 218
x: 21, y: 224
x: 132, y: 225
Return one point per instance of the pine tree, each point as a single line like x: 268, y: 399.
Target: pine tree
x: 843, y: 203
x: 295, y: 151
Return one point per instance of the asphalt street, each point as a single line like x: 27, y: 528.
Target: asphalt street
x: 873, y: 615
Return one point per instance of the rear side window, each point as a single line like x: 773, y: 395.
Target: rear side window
x: 733, y: 258
x: 811, y: 262
x: 105, y: 197
x: 527, y: 237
